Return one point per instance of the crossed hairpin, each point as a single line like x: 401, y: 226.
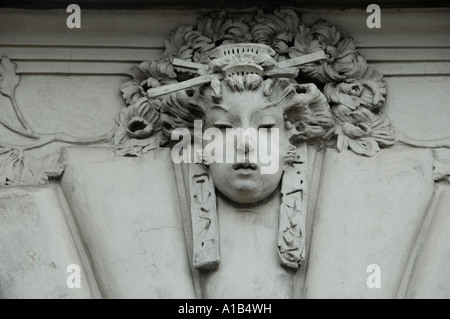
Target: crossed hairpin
x: 287, y: 68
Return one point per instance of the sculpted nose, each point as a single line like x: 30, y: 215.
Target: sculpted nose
x: 247, y: 140
x: 250, y: 143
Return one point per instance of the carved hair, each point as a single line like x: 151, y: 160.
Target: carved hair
x: 306, y: 112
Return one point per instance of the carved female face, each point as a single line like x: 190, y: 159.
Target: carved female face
x: 248, y: 182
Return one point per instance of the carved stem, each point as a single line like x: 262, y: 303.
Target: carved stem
x: 21, y: 118
x: 65, y: 138
x: 444, y: 142
x: 8, y: 146
x: 59, y: 137
x: 4, y: 149
x: 17, y: 130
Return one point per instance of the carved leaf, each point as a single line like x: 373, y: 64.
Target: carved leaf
x: 343, y: 60
x: 7, y: 174
x: 364, y: 146
x: 368, y: 92
x: 383, y: 132
x: 326, y: 34
x: 347, y: 94
x: 4, y: 150
x: 228, y: 29
x: 8, y: 77
x: 276, y: 30
x: 184, y: 42
x: 138, y: 74
x: 304, y: 43
x: 348, y: 64
x: 158, y: 69
x: 21, y: 168
x: 175, y: 41
x: 132, y: 91
x: 342, y: 142
x: 362, y: 131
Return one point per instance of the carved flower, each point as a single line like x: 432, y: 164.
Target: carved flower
x: 343, y: 60
x: 362, y: 131
x: 328, y: 38
x: 369, y: 92
x: 138, y: 128
x: 347, y: 64
x: 321, y: 36
x: 276, y: 30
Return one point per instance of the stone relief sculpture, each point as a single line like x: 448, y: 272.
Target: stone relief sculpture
x: 18, y: 166
x: 354, y: 90
x: 269, y: 71
x: 272, y: 60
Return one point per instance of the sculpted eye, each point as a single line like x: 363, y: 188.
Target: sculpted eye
x: 222, y: 126
x: 267, y: 126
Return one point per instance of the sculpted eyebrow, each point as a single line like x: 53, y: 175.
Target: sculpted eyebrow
x: 220, y: 107
x: 226, y: 109
x: 270, y: 105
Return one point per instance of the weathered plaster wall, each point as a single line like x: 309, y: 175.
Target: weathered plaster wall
x: 119, y: 218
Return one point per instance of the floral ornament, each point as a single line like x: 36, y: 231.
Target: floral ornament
x: 138, y: 128
x: 17, y: 164
x: 275, y: 30
x: 355, y: 105
x: 355, y: 91
x: 147, y: 75
x: 183, y: 41
x: 195, y: 43
x: 188, y: 43
x: 21, y: 168
x: 223, y: 28
x: 343, y: 60
x: 362, y: 131
x: 132, y: 91
x: 368, y: 92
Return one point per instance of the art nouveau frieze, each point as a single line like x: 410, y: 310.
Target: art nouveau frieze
x: 154, y: 195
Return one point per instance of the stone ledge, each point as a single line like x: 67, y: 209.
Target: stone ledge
x: 235, y: 4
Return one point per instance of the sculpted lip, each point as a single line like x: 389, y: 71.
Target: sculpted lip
x: 246, y: 166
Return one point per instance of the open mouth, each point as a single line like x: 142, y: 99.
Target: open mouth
x: 245, y: 166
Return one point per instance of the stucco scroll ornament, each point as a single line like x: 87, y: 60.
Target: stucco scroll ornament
x: 19, y: 164
x: 323, y: 90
